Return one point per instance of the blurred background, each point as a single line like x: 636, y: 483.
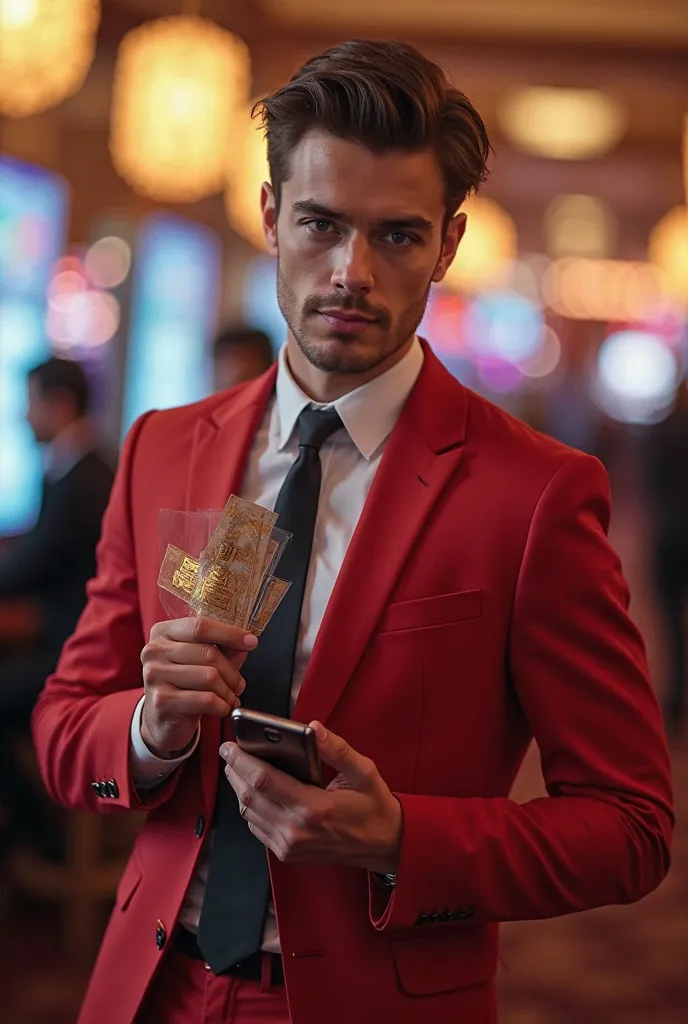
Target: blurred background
x: 130, y: 245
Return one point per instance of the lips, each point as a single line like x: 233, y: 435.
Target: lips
x: 346, y: 322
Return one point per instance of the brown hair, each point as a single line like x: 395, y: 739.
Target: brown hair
x: 385, y: 96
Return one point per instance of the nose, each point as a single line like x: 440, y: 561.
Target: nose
x: 353, y: 270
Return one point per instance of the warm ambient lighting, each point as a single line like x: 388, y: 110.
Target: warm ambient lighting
x: 46, y: 49
x: 486, y: 249
x: 247, y: 171
x: 178, y: 85
x: 668, y: 250
x: 605, y: 290
x: 562, y: 124
x: 580, y: 225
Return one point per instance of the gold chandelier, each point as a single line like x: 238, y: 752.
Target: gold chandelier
x: 178, y: 85
x: 46, y: 49
x: 247, y: 172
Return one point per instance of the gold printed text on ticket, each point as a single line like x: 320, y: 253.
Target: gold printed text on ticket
x: 178, y: 573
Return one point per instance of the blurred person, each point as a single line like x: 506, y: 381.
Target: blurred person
x: 667, y: 476
x: 453, y: 596
x: 240, y: 354
x: 43, y: 576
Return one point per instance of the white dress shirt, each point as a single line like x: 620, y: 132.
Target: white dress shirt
x: 350, y: 459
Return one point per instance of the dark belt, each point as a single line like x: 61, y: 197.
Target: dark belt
x: 250, y: 968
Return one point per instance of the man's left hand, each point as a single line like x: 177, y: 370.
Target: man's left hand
x: 356, y: 821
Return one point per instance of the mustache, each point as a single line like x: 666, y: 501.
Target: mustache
x: 350, y: 303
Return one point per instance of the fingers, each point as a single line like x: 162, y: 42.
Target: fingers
x: 359, y: 771
x: 190, y: 677
x: 169, y: 703
x: 247, y: 772
x: 203, y: 630
x: 208, y: 656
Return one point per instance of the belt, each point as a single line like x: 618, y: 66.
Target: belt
x: 251, y: 968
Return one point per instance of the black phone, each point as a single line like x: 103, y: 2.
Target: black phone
x: 289, y: 746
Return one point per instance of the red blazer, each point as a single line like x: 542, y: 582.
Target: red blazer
x: 479, y: 606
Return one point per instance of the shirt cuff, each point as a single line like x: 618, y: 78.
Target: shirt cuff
x: 147, y: 770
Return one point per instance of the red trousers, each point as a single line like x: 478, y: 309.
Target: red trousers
x: 185, y: 991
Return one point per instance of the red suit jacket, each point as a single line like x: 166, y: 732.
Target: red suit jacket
x: 480, y: 605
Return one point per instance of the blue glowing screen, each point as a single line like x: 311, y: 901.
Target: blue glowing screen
x: 177, y: 272
x: 33, y: 218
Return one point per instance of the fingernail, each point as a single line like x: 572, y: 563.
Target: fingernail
x: 250, y: 641
x: 224, y: 750
x: 241, y: 687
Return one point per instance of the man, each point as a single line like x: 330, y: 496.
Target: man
x: 240, y: 354
x: 667, y: 455
x: 44, y: 573
x: 456, y: 597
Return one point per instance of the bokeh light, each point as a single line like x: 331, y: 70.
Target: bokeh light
x: 46, y: 50
x: 636, y: 377
x: 178, y: 87
x: 486, y: 249
x: 503, y: 326
x: 78, y: 315
x: 562, y: 124
x: 108, y: 261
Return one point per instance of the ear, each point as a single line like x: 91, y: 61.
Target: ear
x: 452, y: 237
x: 269, y: 211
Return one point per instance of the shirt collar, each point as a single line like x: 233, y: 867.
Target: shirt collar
x: 369, y: 413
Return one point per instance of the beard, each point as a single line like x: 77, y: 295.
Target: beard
x: 342, y: 353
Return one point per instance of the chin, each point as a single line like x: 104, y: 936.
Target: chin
x: 341, y: 354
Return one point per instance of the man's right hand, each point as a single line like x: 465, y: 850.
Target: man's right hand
x: 191, y: 667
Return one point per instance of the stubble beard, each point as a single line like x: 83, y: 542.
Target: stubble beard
x: 345, y: 358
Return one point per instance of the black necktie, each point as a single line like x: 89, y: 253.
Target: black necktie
x: 238, y: 886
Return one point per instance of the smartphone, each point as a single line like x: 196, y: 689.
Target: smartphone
x: 289, y: 746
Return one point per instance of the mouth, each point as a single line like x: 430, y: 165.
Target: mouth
x: 346, y: 321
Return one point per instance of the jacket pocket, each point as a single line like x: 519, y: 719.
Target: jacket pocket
x: 128, y: 883
x: 448, y: 960
x: 425, y: 612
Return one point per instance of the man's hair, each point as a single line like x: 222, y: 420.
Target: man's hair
x: 384, y: 96
x: 243, y: 336
x: 63, y: 375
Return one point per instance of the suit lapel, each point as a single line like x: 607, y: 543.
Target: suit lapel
x: 221, y: 446
x: 422, y: 455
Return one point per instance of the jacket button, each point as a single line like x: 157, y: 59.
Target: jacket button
x: 199, y: 827
x: 112, y: 788
x: 160, y: 935
x: 464, y: 914
x: 96, y: 787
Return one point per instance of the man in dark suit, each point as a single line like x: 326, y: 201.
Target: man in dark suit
x: 43, y: 574
x: 667, y: 457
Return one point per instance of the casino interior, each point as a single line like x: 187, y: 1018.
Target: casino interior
x: 130, y: 234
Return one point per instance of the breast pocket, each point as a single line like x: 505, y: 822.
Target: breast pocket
x: 429, y: 612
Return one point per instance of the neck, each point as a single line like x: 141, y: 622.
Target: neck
x: 324, y: 387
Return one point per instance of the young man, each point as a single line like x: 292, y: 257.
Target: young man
x: 453, y: 596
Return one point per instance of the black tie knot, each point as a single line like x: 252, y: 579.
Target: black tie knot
x: 316, y: 425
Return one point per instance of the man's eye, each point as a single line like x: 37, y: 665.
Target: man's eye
x: 319, y: 226
x: 400, y: 239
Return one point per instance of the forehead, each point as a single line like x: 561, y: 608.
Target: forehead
x: 345, y: 176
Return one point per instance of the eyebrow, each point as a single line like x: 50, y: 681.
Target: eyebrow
x: 308, y: 206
